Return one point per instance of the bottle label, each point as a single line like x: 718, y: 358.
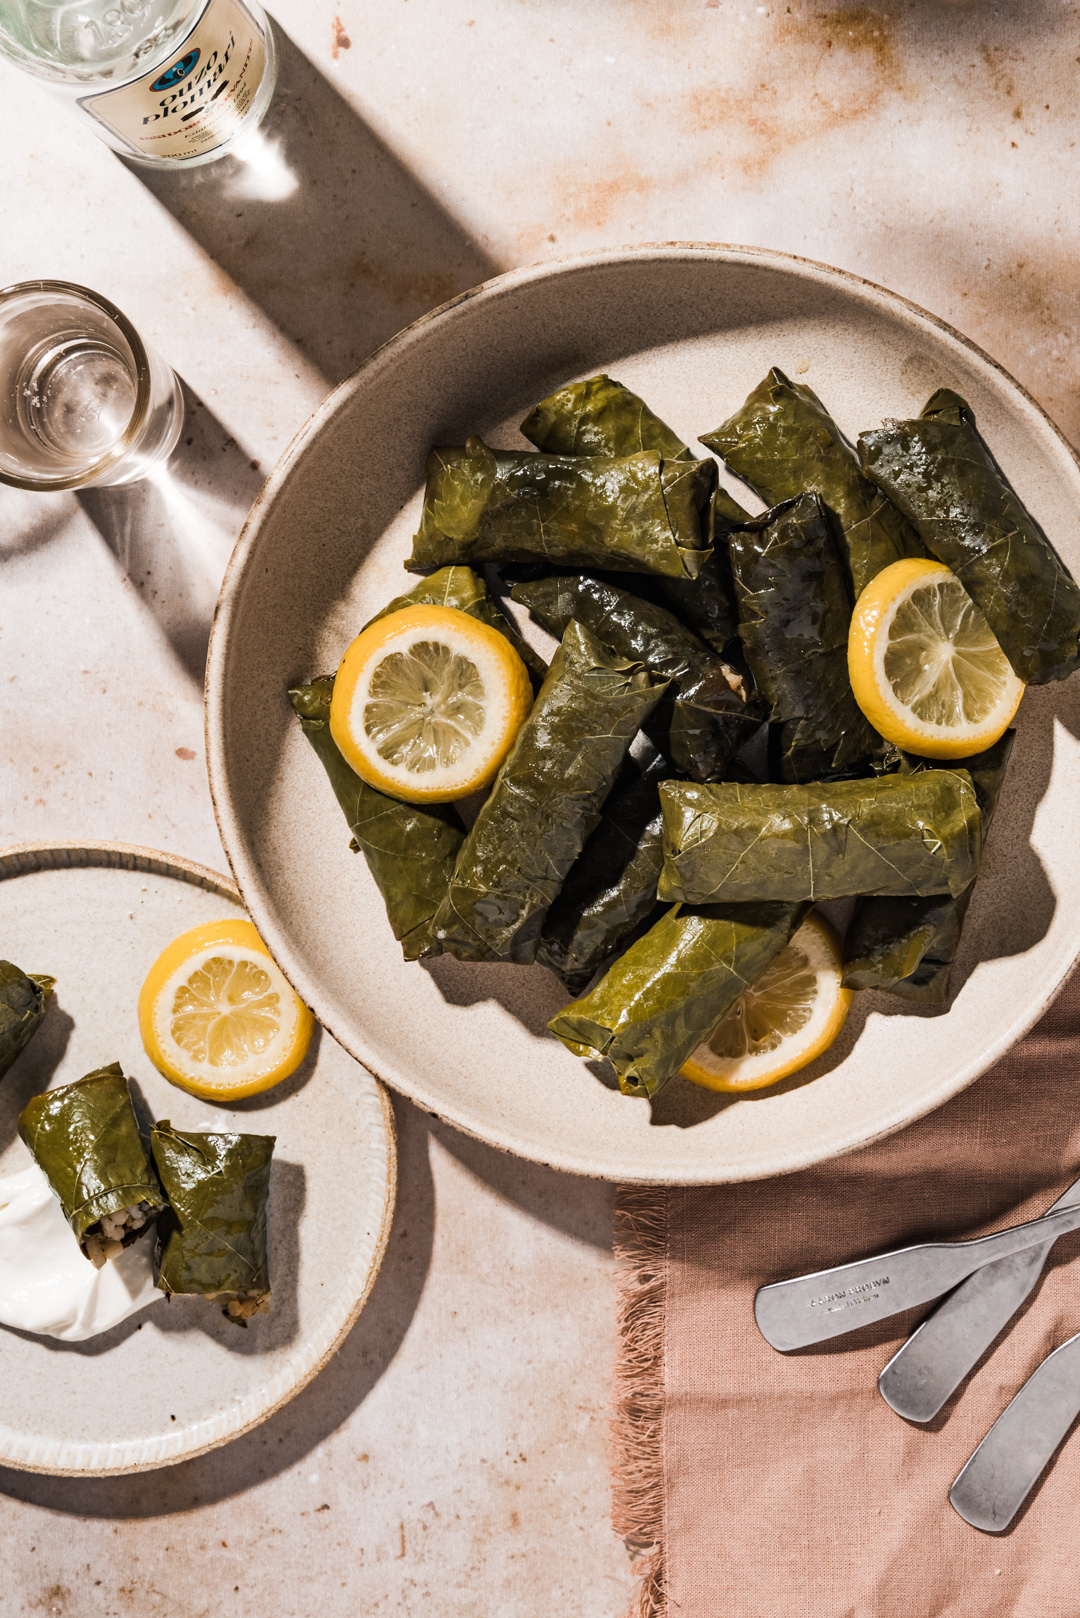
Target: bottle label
x: 197, y: 97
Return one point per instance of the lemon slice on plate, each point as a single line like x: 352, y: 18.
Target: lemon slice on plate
x: 784, y: 1020
x: 217, y: 1016
x: 427, y: 703
x: 924, y: 666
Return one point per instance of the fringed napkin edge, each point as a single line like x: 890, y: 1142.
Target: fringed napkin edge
x: 640, y: 1239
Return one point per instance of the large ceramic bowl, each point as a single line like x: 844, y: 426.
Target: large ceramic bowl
x: 692, y: 328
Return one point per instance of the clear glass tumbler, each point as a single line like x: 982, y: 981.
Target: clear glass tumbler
x: 83, y: 400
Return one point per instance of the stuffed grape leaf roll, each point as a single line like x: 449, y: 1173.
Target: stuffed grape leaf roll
x: 211, y: 1240
x: 24, y: 1000
x: 708, y: 712
x: 634, y: 513
x: 940, y: 473
x: 410, y: 848
x: 666, y: 994
x: 465, y: 590
x: 611, y: 889
x: 890, y: 834
x: 706, y: 603
x: 85, y: 1138
x: 545, y: 802
x: 794, y: 616
x: 600, y: 417
x: 907, y: 945
x: 783, y: 443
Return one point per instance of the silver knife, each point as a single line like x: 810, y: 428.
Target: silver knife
x: 938, y: 1355
x: 1006, y: 1466
x: 814, y: 1308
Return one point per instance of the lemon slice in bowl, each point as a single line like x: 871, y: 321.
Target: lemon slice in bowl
x: 427, y: 702
x: 786, y: 1019
x: 218, y: 1017
x: 924, y: 665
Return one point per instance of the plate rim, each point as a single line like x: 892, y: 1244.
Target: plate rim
x: 26, y: 859
x: 244, y: 550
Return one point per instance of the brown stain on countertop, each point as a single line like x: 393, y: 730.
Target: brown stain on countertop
x: 341, y: 41
x: 1024, y: 311
x: 823, y: 70
x: 815, y: 72
x: 53, y: 1599
x: 422, y: 289
x: 794, y: 76
x: 997, y: 60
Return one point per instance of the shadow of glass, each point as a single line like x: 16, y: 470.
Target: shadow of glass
x: 316, y: 1412
x: 324, y: 228
x: 172, y: 534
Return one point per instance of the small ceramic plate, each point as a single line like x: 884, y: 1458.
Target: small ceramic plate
x: 692, y: 329
x: 177, y: 1379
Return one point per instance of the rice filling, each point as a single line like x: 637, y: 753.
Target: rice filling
x: 107, y: 1238
x: 242, y: 1305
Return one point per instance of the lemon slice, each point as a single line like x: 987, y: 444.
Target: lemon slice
x: 427, y: 703
x: 783, y: 1021
x: 217, y: 1016
x: 924, y: 666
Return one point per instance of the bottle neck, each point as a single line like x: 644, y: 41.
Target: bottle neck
x: 98, y: 43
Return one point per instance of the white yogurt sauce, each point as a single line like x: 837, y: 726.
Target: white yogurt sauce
x: 46, y: 1285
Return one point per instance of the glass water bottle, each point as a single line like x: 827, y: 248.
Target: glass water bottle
x: 168, y: 82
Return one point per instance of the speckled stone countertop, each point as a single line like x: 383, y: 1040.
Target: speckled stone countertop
x: 451, y: 1458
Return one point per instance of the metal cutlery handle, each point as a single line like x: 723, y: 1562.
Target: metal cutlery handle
x: 1006, y: 1466
x: 814, y: 1308
x: 938, y: 1355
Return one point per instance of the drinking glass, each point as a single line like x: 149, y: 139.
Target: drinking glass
x: 83, y: 400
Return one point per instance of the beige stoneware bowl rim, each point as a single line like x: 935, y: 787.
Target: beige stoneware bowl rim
x: 21, y: 859
x: 383, y: 358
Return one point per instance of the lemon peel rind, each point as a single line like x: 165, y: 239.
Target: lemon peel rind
x: 175, y: 965
x: 511, y: 692
x: 713, y: 1078
x: 874, y: 612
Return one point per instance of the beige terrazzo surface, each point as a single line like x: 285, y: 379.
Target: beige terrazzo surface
x: 451, y: 1460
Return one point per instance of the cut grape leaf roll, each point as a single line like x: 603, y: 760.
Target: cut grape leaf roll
x: 212, y: 1236
x: 85, y: 1138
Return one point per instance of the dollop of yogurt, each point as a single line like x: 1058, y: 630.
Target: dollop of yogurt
x: 46, y: 1285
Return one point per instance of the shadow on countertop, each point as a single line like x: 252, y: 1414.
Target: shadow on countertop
x: 331, y: 235
x: 171, y: 535
x: 323, y: 227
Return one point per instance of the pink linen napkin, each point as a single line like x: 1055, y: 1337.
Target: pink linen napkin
x: 761, y: 1485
